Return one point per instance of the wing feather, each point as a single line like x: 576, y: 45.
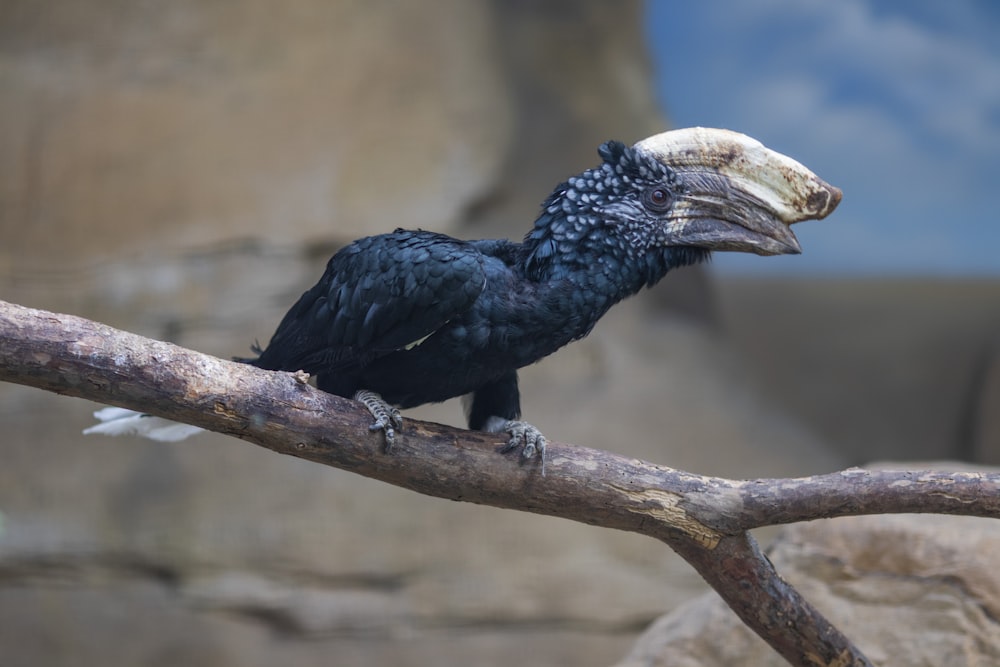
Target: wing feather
x: 378, y: 295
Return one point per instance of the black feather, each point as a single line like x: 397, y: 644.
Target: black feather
x: 421, y: 317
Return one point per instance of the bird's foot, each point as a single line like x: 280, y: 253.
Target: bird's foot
x: 522, y: 434
x: 387, y: 418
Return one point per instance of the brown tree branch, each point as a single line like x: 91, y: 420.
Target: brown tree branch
x: 704, y: 519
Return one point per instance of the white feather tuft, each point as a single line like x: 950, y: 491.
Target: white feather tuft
x: 119, y: 421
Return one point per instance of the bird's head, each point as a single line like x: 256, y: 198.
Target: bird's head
x: 684, y: 193
x: 722, y: 190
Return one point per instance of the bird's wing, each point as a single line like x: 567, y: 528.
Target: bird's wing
x: 378, y: 295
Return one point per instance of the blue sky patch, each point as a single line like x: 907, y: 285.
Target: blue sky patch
x: 896, y: 102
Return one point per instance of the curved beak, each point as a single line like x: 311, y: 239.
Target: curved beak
x: 737, y: 194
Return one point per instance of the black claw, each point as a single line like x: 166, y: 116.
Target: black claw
x: 511, y: 445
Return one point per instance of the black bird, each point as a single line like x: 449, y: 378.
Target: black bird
x: 413, y: 317
x: 416, y: 317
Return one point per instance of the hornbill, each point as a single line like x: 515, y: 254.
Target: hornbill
x: 412, y: 317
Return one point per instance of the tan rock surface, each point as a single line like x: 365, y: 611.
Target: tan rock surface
x: 908, y: 590
x: 181, y: 124
x: 183, y: 171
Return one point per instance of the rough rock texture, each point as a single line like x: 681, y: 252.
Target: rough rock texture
x: 186, y: 123
x: 908, y: 590
x: 183, y: 170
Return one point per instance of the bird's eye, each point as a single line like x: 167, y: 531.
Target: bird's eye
x: 657, y: 199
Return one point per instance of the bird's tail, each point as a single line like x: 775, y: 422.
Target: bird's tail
x: 253, y: 361
x: 119, y: 421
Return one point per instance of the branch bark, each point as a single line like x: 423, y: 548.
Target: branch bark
x: 704, y: 519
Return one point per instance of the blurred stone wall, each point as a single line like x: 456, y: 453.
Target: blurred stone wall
x: 169, y: 167
x: 175, y: 125
x: 183, y: 170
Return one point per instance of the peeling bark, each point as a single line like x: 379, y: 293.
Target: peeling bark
x: 704, y: 519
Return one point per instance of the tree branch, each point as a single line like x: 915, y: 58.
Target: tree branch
x: 704, y: 519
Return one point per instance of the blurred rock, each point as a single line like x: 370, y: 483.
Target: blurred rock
x: 579, y: 76
x: 880, y: 368
x: 688, y: 293
x: 985, y: 418
x: 908, y: 590
x: 183, y: 171
x: 128, y: 127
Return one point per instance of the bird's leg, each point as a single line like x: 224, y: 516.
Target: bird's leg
x: 495, y: 408
x: 386, y: 416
